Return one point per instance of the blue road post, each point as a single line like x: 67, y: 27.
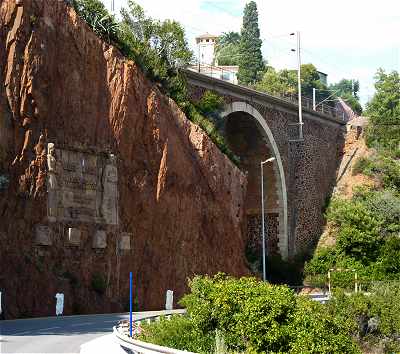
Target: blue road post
x: 130, y: 304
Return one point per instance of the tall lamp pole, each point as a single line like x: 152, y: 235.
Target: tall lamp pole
x: 263, y: 215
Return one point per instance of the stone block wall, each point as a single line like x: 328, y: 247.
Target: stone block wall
x: 310, y: 166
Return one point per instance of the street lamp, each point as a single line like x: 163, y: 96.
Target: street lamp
x: 263, y: 212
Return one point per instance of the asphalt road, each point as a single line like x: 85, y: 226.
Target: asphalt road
x: 57, y: 334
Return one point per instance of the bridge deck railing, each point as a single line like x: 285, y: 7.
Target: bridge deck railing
x: 220, y: 73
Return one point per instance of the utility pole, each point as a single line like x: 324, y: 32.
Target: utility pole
x: 314, y: 99
x: 112, y: 6
x: 300, y: 123
x: 299, y: 86
x: 198, y: 46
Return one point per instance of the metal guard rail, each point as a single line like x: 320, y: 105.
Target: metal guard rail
x: 138, y: 347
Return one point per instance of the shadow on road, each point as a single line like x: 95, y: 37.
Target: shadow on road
x: 64, y: 326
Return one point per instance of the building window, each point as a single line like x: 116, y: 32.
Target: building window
x: 226, y: 76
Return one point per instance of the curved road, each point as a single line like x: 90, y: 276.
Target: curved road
x: 58, y: 334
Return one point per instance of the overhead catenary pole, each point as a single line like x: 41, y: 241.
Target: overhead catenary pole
x: 299, y: 86
x: 314, y: 99
x: 198, y: 49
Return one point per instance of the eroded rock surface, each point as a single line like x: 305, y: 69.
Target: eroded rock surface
x: 179, y: 198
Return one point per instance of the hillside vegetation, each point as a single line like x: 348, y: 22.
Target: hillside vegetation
x: 366, y: 227
x: 160, y: 49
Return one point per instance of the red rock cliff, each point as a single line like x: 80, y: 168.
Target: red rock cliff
x: 179, y: 197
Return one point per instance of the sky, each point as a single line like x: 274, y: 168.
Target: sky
x: 344, y: 38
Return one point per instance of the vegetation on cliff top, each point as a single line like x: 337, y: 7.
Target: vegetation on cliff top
x: 158, y: 47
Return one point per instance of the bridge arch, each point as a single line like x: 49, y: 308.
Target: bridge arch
x: 246, y: 110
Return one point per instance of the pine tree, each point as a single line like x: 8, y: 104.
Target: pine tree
x: 250, y: 57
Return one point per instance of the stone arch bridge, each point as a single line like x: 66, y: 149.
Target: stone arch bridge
x: 299, y: 182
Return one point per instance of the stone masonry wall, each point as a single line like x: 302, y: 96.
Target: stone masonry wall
x: 310, y: 166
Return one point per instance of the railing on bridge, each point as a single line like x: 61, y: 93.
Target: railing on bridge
x: 228, y: 75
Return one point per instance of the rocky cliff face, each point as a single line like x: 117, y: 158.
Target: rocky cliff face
x: 178, y: 199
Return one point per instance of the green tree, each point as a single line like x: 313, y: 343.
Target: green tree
x: 384, y: 111
x: 161, y: 44
x: 229, y: 38
x: 348, y: 91
x: 251, y: 62
x: 98, y: 18
x: 346, y: 86
x: 277, y: 83
x: 309, y: 80
x: 227, y: 49
x: 284, y: 82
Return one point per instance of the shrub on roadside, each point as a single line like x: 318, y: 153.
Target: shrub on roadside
x: 178, y: 333
x: 316, y: 330
x: 373, y: 319
x: 258, y: 317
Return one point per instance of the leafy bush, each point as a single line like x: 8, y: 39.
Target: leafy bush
x: 210, y: 103
x: 359, y: 229
x: 367, y: 229
x: 258, y: 317
x: 179, y: 333
x: 97, y: 17
x: 316, y: 330
x: 323, y: 260
x: 362, y: 165
x: 383, y: 167
x: 373, y: 318
x: 390, y: 257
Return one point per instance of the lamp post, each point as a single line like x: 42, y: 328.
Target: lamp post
x: 263, y: 214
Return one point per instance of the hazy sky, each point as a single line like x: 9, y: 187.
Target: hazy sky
x: 343, y: 38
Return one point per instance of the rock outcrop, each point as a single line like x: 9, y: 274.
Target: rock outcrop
x: 179, y: 198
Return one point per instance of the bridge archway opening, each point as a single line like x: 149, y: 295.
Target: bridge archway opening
x: 249, y: 137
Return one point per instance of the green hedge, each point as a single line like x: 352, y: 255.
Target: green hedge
x: 253, y: 317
